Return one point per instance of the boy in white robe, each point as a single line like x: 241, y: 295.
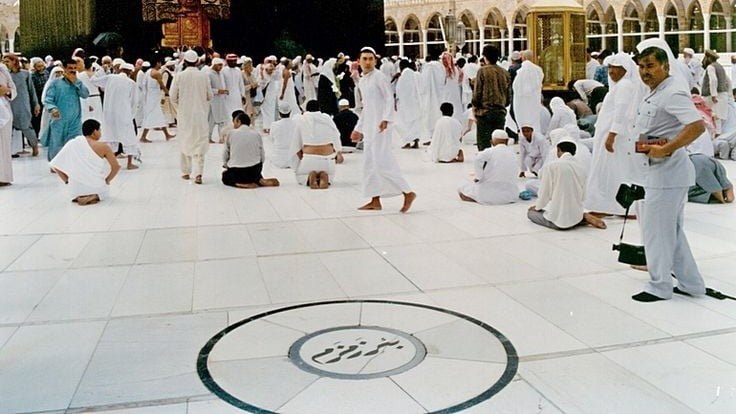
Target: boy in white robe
x: 532, y: 150
x: 495, y: 174
x: 283, y: 134
x: 445, y: 145
x: 86, y: 165
x: 408, y: 105
x: 560, y: 203
x: 381, y: 174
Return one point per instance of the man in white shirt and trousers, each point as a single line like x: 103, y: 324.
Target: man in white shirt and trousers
x: 381, y: 174
x: 191, y: 92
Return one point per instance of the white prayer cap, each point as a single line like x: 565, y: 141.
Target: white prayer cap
x: 499, y: 134
x: 615, y: 60
x: 688, y: 51
x: 343, y: 102
x: 191, y: 56
x: 36, y: 60
x: 369, y: 50
x: 607, y: 60
x: 146, y: 64
x: 309, y: 57
x: 127, y: 66
x: 240, y: 61
x: 176, y: 55
x: 170, y: 62
x: 48, y: 58
x: 218, y: 61
x: 515, y: 55
x: 117, y: 62
x: 594, y: 54
x: 272, y: 58
x: 284, y: 107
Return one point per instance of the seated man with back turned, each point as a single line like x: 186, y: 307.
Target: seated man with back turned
x: 86, y: 165
x: 561, y: 195
x: 345, y: 120
x: 243, y: 157
x: 317, y: 145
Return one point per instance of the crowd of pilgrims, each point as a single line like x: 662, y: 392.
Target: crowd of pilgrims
x: 572, y: 154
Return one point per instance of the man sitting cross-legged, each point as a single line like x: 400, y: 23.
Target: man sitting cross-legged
x: 86, y: 165
x: 243, y: 157
x: 561, y: 195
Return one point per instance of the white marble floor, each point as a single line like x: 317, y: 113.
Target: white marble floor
x: 105, y: 308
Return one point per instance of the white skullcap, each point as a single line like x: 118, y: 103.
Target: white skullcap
x: 146, y: 64
x: 191, y: 56
x: 343, y: 102
x: 127, y: 66
x: 615, y: 60
x: 117, y: 61
x: 272, y: 57
x: 499, y: 134
x: 515, y: 55
x: 218, y: 61
x: 170, y: 62
x: 48, y: 58
x: 369, y: 50
x: 594, y: 54
x: 284, y: 107
x: 688, y: 51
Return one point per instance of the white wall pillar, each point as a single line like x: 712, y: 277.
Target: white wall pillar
x: 661, y: 19
x: 706, y: 31
x: 482, y: 42
x: 503, y: 44
x: 401, y: 43
x: 642, y: 30
x: 620, y: 34
x: 511, y: 38
x: 425, y: 48
x: 603, y: 39
x: 729, y: 46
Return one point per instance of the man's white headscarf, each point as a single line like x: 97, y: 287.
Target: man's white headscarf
x: 678, y: 70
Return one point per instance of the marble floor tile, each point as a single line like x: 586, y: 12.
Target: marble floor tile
x: 21, y: 292
x: 380, y: 231
x: 310, y: 319
x: 111, y: 249
x: 246, y: 342
x: 719, y: 346
x: 517, y: 398
x: 593, y: 384
x: 212, y: 407
x: 82, y: 294
x: 278, y: 238
x: 52, y: 252
x: 329, y: 235
x: 581, y: 314
x: 329, y: 396
x: 362, y: 273
x: 156, y: 288
x: 298, y: 278
x: 13, y: 246
x: 428, y: 268
x: 708, y: 385
x: 428, y: 227
x: 5, y: 334
x: 42, y: 365
x: 168, y: 245
x: 229, y: 283
x: 223, y: 242
x: 154, y: 409
x: 145, y: 359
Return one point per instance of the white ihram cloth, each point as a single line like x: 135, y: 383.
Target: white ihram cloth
x: 94, y: 101
x: 409, y: 109
x: 528, y: 94
x: 191, y: 93
x: 431, y: 83
x: 84, y: 167
x: 381, y: 174
x: 236, y: 89
x: 445, y: 140
x: 121, y: 99
x: 315, y: 128
x: 452, y: 93
x: 272, y: 83
x: 561, y: 115
x: 283, y: 134
x: 562, y: 192
x: 618, y: 115
x: 495, y: 170
x: 140, y: 80
x: 153, y: 113
x: 290, y: 95
x: 6, y: 127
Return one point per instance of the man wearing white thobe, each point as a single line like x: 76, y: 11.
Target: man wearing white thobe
x: 283, y: 134
x: 694, y: 68
x: 532, y: 150
x: 716, y: 88
x: 528, y: 92
x: 7, y: 94
x: 495, y: 174
x: 409, y: 112
x: 219, y: 115
x: 381, y: 174
x: 191, y: 92
x: 445, y: 146
x: 431, y: 85
x: 234, y: 84
x: 118, y: 111
x: 310, y: 75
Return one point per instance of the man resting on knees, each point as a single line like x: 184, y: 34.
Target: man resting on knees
x: 86, y: 165
x: 318, y: 147
x: 445, y: 145
x: 561, y: 195
x: 243, y: 156
x: 495, y: 174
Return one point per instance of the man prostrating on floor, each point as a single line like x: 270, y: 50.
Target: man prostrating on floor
x: 381, y: 174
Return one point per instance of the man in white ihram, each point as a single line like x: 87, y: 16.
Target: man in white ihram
x: 495, y: 174
x: 381, y: 174
x: 528, y: 92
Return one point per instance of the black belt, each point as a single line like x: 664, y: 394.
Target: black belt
x: 92, y: 96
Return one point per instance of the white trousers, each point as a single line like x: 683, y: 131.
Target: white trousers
x: 192, y: 165
x: 667, y: 250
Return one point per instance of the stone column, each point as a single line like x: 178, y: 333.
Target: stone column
x: 661, y: 19
x: 706, y: 31
x: 603, y: 39
x: 425, y: 48
x: 401, y: 43
x: 620, y: 34
x: 511, y: 38
x: 503, y: 44
x: 642, y: 30
x: 482, y: 41
x: 729, y: 46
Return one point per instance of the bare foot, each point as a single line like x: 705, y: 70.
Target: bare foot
x: 372, y: 205
x: 88, y: 199
x: 133, y: 167
x: 728, y: 195
x: 460, y: 156
x: 313, y: 180
x: 718, y: 195
x: 324, y: 180
x: 248, y: 186
x: 600, y: 215
x: 464, y: 197
x: 170, y: 137
x: 408, y: 199
x: 146, y: 140
x: 594, y: 221
x: 34, y: 153
x: 185, y: 176
x: 640, y: 268
x: 270, y: 182
x: 198, y: 179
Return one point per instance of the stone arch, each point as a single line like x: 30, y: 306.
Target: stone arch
x: 411, y: 18
x: 497, y: 16
x: 432, y: 16
x: 633, y: 5
x: 470, y: 17
x: 595, y: 6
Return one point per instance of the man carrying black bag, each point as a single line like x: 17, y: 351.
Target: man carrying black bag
x: 667, y: 122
